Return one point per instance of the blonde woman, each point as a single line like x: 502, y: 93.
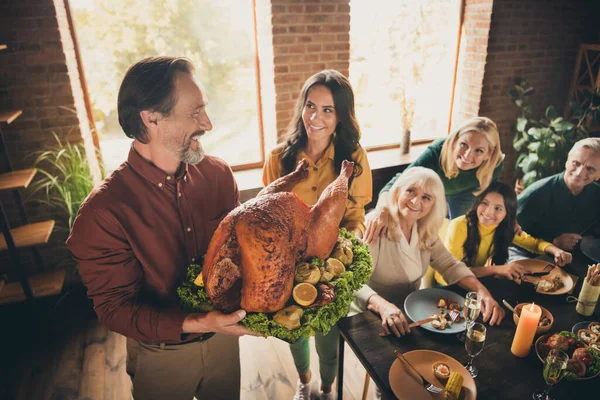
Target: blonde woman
x: 466, y: 161
x: 415, y: 208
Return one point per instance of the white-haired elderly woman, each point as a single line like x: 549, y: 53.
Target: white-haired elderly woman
x: 416, y: 210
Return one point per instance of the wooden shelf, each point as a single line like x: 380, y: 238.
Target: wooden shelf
x: 29, y: 235
x: 43, y: 284
x: 9, y: 116
x: 2, y: 46
x: 17, y: 179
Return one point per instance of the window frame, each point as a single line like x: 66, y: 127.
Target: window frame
x: 88, y: 103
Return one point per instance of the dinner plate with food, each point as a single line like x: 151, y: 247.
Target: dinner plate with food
x: 582, y: 348
x: 438, y: 368
x: 547, y: 278
x: 444, y: 306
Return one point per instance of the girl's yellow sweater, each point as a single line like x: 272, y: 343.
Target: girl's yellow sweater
x: 457, y: 235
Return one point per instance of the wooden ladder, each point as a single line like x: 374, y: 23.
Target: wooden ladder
x: 28, y: 235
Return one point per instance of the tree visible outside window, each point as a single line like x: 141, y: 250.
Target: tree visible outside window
x: 401, y: 62
x: 218, y: 36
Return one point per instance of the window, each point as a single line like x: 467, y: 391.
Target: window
x: 402, y: 62
x: 218, y: 36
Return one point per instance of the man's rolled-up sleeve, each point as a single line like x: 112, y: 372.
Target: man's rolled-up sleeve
x: 113, y: 277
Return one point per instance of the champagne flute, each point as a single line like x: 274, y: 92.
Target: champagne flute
x: 471, y: 310
x: 554, y: 369
x: 474, y: 344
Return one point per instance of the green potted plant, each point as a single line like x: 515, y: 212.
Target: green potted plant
x: 65, y: 180
x: 542, y: 146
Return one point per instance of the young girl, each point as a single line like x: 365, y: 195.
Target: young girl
x: 466, y: 161
x: 481, y: 237
x: 324, y: 131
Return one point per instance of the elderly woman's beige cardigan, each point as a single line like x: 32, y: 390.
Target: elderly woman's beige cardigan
x: 399, y: 266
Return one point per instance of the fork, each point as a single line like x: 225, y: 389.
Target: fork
x: 545, y: 271
x: 426, y: 384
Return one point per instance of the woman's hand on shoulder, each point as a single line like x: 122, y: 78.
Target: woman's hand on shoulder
x: 518, y: 229
x: 377, y: 225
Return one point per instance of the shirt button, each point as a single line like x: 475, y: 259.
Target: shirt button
x: 160, y: 185
x: 314, y: 188
x: 179, y: 194
x: 168, y: 178
x: 315, y: 169
x: 189, y: 229
x: 193, y: 259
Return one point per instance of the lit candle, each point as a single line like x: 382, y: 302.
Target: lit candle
x: 528, y: 322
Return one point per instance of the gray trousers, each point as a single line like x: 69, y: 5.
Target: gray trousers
x: 207, y: 370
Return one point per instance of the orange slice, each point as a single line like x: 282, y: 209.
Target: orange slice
x: 199, y: 281
x: 304, y: 294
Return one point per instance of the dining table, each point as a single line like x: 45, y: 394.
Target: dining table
x: 501, y: 374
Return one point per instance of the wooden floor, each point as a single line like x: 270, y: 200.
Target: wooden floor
x: 64, y: 353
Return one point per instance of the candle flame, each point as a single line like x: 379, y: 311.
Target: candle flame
x: 531, y: 308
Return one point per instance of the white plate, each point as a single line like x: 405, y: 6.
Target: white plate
x: 420, y: 304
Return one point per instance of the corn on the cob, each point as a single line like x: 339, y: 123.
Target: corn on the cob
x: 453, y: 386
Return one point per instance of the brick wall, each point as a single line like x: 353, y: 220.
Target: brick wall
x: 472, y: 60
x: 308, y: 36
x: 536, y: 40
x: 34, y: 77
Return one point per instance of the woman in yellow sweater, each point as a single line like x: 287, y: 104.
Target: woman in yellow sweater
x: 324, y: 131
x: 482, y: 236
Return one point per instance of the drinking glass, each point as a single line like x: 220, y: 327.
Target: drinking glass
x: 474, y: 344
x: 554, y: 369
x: 471, y: 310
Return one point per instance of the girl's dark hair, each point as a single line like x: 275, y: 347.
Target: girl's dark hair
x: 505, y: 232
x: 347, y: 130
x: 149, y: 84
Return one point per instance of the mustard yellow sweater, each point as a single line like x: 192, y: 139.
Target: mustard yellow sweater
x: 457, y: 235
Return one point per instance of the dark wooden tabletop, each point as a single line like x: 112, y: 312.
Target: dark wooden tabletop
x: 501, y: 374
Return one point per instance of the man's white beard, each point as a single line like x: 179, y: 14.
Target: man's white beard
x: 193, y: 157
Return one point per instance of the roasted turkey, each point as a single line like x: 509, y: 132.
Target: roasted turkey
x: 251, y: 258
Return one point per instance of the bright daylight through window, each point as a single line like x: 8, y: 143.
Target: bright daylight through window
x: 402, y: 61
x: 218, y: 36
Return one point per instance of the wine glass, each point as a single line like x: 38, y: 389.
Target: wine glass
x: 471, y: 310
x: 554, y: 369
x: 474, y: 344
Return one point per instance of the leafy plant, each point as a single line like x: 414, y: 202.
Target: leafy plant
x: 65, y: 177
x: 542, y: 146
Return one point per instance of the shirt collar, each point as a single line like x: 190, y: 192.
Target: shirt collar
x: 151, y: 172
x: 329, y: 153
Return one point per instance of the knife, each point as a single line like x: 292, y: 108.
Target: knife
x: 414, y: 324
x: 421, y: 322
x: 538, y: 274
x: 544, y: 272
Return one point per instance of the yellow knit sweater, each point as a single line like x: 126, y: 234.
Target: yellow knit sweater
x: 457, y: 235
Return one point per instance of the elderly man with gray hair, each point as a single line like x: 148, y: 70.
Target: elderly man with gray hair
x: 562, y: 208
